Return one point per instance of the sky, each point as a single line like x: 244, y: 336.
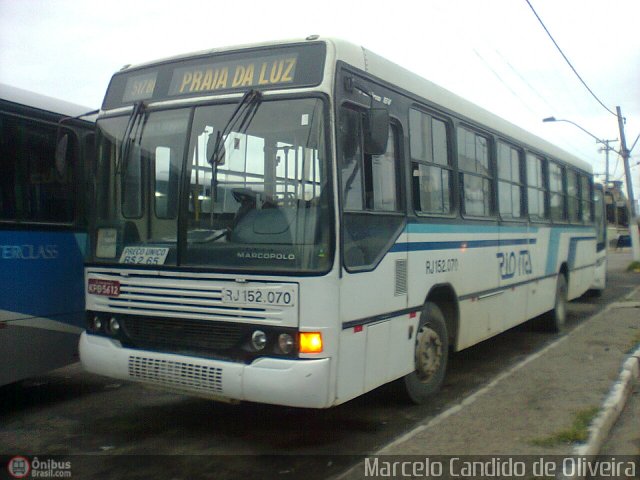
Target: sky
x: 492, y: 52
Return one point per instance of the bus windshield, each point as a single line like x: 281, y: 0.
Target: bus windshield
x: 215, y: 190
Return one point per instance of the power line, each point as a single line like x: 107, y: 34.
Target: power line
x: 567, y: 145
x: 497, y: 75
x: 634, y: 143
x: 568, y: 62
x: 524, y: 80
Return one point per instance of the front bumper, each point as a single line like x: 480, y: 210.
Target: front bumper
x: 296, y: 383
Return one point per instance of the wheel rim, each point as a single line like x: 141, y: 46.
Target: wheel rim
x: 428, y: 353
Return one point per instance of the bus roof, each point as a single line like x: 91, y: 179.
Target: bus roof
x: 42, y: 102
x: 394, y: 74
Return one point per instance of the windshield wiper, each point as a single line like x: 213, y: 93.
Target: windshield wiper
x: 240, y: 118
x: 125, y: 146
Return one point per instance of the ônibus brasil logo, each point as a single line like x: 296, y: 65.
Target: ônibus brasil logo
x: 19, y: 467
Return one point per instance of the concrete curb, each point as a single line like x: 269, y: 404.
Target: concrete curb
x: 612, y: 406
x: 616, y: 400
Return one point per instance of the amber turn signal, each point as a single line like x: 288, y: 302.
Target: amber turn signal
x: 310, y: 342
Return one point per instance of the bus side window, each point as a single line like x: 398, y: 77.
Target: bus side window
x: 573, y: 197
x: 536, y: 188
x: 510, y: 185
x: 31, y: 187
x: 431, y: 164
x: 381, y: 173
x: 351, y: 159
x: 557, y: 198
x: 586, y: 200
x: 7, y: 179
x: 369, y: 183
x: 476, y: 175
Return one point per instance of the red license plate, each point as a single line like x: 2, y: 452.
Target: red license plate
x: 107, y: 288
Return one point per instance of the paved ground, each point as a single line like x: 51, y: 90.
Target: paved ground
x: 531, y: 408
x: 510, y: 407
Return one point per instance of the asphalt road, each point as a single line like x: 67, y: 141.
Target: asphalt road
x: 116, y: 430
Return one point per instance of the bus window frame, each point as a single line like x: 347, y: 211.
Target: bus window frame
x: 452, y: 167
x: 577, y: 198
x: 395, y: 126
x: 522, y: 184
x: 492, y: 215
x: 544, y: 188
x: 564, y: 220
x: 78, y: 172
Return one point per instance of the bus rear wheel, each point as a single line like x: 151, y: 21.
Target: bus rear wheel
x: 554, y: 320
x: 430, y: 355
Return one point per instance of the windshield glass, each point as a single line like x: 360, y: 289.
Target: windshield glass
x: 263, y: 204
x: 138, y: 180
x: 259, y: 204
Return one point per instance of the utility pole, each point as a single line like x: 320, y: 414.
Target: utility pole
x: 633, y: 223
x: 606, y: 149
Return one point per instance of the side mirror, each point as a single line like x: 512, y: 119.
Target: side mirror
x: 376, y: 131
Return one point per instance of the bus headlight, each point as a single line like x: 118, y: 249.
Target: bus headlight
x: 285, y: 343
x: 114, y: 326
x: 258, y: 340
x: 96, y: 323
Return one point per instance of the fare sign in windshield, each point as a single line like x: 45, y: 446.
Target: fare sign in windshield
x: 275, y: 67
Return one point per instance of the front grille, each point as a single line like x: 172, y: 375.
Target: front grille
x: 178, y: 295
x: 180, y: 335
x: 182, y: 375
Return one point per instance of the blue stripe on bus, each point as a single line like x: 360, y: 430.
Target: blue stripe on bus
x: 430, y: 228
x: 469, y: 229
x: 42, y: 274
x: 554, y: 246
x: 573, y: 247
x: 552, y: 250
x: 459, y: 244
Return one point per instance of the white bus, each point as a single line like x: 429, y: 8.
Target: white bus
x: 298, y: 223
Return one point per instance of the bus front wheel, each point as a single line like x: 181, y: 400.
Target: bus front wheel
x: 430, y: 355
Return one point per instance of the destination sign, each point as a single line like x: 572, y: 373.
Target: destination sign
x: 277, y: 70
x: 140, y: 87
x: 267, y: 68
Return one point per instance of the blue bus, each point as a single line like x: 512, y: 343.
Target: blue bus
x: 43, y: 230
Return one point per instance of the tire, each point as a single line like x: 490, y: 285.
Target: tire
x: 555, y: 320
x: 431, y: 350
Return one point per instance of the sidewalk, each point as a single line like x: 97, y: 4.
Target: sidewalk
x: 533, y: 409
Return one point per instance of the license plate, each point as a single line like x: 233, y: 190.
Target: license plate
x: 280, y: 296
x: 105, y: 288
